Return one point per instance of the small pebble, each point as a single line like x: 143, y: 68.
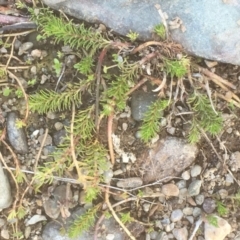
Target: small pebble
x: 196, y: 170
x: 194, y: 187
x: 36, y: 53
x: 229, y: 180
x: 181, y: 184
x: 47, y: 142
x: 171, y: 130
x: 209, y: 205
x: 186, y: 175
x: 223, y: 193
x: 146, y: 207
x: 197, y: 212
x: 169, y: 227
x: 170, y: 190
x: 199, y: 199
x: 181, y: 233
x: 58, y: 126
x: 51, y: 115
x: 188, y: 211
x: 124, y: 126
x: 176, y: 215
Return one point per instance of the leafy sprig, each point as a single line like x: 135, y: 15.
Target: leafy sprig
x: 204, y: 117
x: 151, y: 123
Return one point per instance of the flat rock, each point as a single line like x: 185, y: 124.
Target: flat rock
x: 170, y: 190
x: 16, y: 136
x: 168, y: 158
x: 130, y: 182
x: 181, y: 233
x: 217, y: 233
x: 5, y: 190
x: 202, y: 31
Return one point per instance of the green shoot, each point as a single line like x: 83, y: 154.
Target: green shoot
x: 204, y: 117
x: 126, y: 218
x: 19, y: 123
x: 160, y: 31
x: 57, y: 66
x: 151, y: 119
x: 32, y: 82
x: 85, y: 66
x: 221, y: 209
x: 19, y: 93
x: 212, y: 220
x: 83, y: 223
x: 7, y: 91
x: 132, y: 36
x: 178, y: 68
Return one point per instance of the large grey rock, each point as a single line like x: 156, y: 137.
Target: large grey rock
x: 212, y: 27
x: 16, y: 136
x: 5, y: 190
x: 58, y: 229
x: 168, y: 158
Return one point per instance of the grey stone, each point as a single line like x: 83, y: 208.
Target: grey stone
x: 57, y: 230
x: 197, y: 212
x: 181, y: 233
x: 176, y: 215
x: 5, y: 190
x: 186, y: 175
x: 196, y: 170
x: 209, y: 205
x: 181, y: 184
x: 16, y: 136
x: 194, y: 188
x: 199, y: 199
x: 140, y: 103
x: 203, y: 32
x: 188, y: 211
x: 59, y: 136
x: 161, y: 161
x: 130, y: 182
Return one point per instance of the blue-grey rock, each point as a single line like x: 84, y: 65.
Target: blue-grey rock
x: 5, y: 190
x: 58, y: 229
x: 16, y: 136
x: 211, y: 27
x: 140, y: 103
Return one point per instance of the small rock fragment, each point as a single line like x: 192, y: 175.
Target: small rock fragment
x: 170, y: 190
x: 197, y: 212
x: 130, y: 182
x: 16, y: 136
x: 194, y: 188
x: 181, y: 233
x: 212, y: 232
x: 58, y: 126
x: 59, y: 136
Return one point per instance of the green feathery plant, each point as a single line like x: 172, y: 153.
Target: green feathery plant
x: 76, y: 36
x: 221, y: 209
x: 204, y: 117
x: 83, y: 223
x: 160, y: 31
x: 151, y: 119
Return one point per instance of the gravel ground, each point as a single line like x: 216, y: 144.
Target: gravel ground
x: 182, y: 185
